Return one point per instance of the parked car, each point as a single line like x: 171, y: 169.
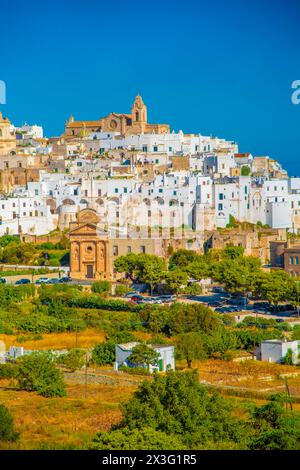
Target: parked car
x: 136, y: 298
x: 218, y: 290
x: 130, y: 294
x: 2, y: 280
x: 42, y: 280
x: 53, y: 281
x: 166, y: 298
x: 65, y: 279
x: 23, y: 281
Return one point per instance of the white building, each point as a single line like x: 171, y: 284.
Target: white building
x: 274, y: 350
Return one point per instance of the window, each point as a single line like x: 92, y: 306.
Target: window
x: 160, y: 190
x: 149, y: 213
x: 36, y: 192
x: 155, y: 148
x: 24, y: 204
x: 145, y: 148
x: 170, y: 149
x: 99, y: 192
x: 221, y: 196
x: 115, y: 250
x: 156, y: 160
x: 296, y: 260
x: 220, y: 207
x: 291, y: 260
x: 125, y: 190
x: 117, y: 214
x: 174, y: 193
x: 142, y: 249
x: 116, y: 190
x: 246, y: 190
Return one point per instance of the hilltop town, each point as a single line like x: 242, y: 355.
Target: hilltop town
x: 131, y: 186
x: 149, y: 289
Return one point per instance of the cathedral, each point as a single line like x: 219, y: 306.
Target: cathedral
x: 134, y: 123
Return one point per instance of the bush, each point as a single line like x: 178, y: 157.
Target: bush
x: 37, y: 372
x: 136, y: 439
x: 101, y: 287
x: 104, y: 353
x: 192, y: 289
x: 8, y: 371
x: 73, y: 359
x: 121, y: 290
x: 7, y: 432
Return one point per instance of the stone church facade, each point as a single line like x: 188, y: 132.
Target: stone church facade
x: 125, y: 124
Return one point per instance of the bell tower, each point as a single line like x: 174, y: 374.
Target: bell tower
x: 139, y: 115
x: 7, y: 137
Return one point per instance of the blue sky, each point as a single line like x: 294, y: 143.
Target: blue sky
x: 221, y: 67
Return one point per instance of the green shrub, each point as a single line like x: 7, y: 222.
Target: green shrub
x: 101, y: 287
x: 73, y: 359
x: 8, y: 371
x: 7, y: 432
x: 121, y: 290
x: 37, y: 372
x: 104, y: 353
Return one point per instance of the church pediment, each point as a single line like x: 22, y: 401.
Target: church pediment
x: 89, y: 229
x: 86, y: 229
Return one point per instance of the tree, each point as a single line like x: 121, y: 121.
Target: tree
x: 141, y: 268
x: 136, y: 439
x: 128, y: 264
x: 178, y: 405
x: 288, y: 358
x: 273, y: 428
x: 245, y: 170
x: 104, y: 353
x: 7, y: 432
x: 198, y: 270
x: 37, y: 372
x: 182, y: 258
x: 184, y: 318
x: 152, y: 270
x: 145, y: 355
x: 175, y: 279
x: 73, y: 359
x: 189, y: 346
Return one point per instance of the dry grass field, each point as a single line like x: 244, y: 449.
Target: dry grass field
x: 59, y: 422
x: 85, y: 339
x: 253, y: 375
